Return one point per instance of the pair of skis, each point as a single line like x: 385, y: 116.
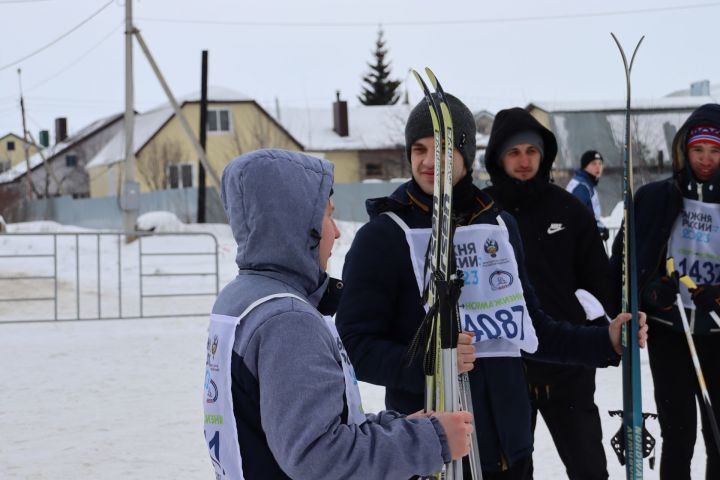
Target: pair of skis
x: 445, y: 390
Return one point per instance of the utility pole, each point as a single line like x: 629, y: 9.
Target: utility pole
x: 26, y: 144
x: 28, y: 138
x: 178, y: 113
x: 203, y: 136
x: 130, y: 200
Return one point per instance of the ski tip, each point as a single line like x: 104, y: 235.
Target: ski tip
x: 420, y: 80
x: 432, y: 77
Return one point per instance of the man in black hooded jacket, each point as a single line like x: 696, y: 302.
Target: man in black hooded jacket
x: 381, y: 307
x: 564, y: 253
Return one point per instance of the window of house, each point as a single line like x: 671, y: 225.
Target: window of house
x: 218, y: 120
x: 71, y: 160
x: 10, y: 146
x: 4, y: 165
x: 373, y: 170
x: 180, y: 175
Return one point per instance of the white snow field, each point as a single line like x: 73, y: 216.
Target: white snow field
x: 122, y: 399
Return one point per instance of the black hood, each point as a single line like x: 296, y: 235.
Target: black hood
x: 507, y: 123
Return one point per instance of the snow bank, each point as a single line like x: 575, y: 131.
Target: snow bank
x: 44, y: 226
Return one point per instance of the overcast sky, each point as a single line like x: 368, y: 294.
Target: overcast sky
x: 491, y: 54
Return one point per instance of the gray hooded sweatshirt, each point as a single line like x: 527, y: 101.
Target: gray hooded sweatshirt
x: 288, y: 388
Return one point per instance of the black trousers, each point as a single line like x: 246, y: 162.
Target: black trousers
x: 518, y: 471
x: 574, y: 424
x: 676, y: 395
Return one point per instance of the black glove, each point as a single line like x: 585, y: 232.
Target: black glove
x: 706, y: 297
x: 660, y: 294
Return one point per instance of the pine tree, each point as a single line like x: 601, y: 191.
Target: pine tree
x: 378, y: 88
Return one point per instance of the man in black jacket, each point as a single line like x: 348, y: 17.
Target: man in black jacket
x: 564, y: 253
x: 381, y: 306
x: 677, y: 217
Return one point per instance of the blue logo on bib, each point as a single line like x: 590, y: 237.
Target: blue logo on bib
x: 500, y: 279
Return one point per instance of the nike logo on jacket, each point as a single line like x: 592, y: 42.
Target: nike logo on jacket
x: 554, y: 228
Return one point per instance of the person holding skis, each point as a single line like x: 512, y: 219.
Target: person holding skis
x: 563, y: 254
x: 583, y: 186
x: 678, y: 217
x: 281, y: 399
x: 381, y: 307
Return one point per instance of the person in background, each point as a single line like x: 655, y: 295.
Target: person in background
x: 583, y: 186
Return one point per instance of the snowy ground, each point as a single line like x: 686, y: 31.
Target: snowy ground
x: 121, y: 399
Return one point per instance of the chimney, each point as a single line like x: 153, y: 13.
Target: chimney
x: 60, y: 129
x: 340, y: 116
x: 700, y: 89
x: 44, y: 138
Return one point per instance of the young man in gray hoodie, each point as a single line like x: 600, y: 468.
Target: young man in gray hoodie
x: 281, y: 398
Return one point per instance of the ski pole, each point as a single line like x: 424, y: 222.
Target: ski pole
x: 687, y: 281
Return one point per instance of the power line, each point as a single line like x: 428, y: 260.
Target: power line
x: 77, y: 60
x: 4, y: 67
x: 413, y: 23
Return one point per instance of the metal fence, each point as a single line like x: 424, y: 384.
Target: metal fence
x: 106, y: 275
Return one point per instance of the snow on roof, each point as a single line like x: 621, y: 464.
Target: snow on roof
x: 145, y: 126
x: 370, y: 127
x: 685, y: 92
x: 664, y: 103
x: 18, y: 170
x: 215, y: 94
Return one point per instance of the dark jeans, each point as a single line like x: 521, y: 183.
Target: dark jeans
x: 676, y: 394
x: 574, y: 424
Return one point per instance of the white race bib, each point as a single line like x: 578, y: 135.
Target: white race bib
x: 492, y: 303
x: 220, y: 426
x: 695, y: 244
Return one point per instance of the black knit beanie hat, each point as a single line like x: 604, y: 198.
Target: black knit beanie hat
x: 588, y: 157
x: 419, y: 125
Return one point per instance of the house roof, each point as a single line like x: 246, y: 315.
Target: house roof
x: 685, y: 92
x: 14, y: 135
x: 148, y: 124
x: 580, y: 126
x: 370, y: 127
x: 663, y: 103
x: 54, y: 150
x: 376, y: 127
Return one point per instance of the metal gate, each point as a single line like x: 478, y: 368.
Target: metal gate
x: 106, y: 275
